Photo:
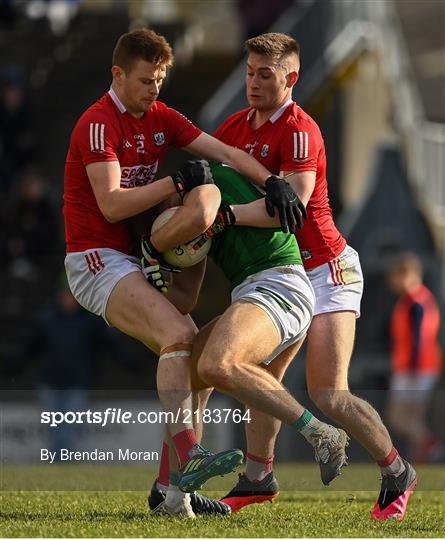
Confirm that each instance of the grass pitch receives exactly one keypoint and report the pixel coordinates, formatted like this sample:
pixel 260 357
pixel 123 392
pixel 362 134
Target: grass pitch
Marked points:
pixel 297 512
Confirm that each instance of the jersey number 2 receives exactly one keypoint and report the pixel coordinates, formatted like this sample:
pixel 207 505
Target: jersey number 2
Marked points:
pixel 140 147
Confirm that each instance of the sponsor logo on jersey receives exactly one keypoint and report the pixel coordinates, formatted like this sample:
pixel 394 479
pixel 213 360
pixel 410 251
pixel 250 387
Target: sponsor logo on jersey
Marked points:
pixel 138 175
pixel 94 262
pixel 159 138
pixel 301 146
pixel 250 147
pixel 97 137
pixel 265 150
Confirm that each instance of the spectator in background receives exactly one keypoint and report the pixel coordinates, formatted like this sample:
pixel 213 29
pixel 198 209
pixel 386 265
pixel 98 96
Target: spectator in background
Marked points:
pixel 17 139
pixel 32 239
pixel 68 343
pixel 415 357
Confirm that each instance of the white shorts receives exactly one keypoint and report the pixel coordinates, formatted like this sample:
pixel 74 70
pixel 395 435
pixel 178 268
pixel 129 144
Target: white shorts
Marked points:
pixel 413 386
pixel 286 295
pixel 93 274
pixel 338 284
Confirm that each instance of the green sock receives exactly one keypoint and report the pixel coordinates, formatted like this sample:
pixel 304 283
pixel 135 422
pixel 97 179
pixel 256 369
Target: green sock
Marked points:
pixel 303 421
pixel 308 425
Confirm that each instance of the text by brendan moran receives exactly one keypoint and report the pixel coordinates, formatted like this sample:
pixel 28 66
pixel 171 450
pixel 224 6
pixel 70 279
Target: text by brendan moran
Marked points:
pixel 121 454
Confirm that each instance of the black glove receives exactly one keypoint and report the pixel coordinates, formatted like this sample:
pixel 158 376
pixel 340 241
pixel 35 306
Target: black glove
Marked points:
pixel 224 218
pixel 153 275
pixel 192 174
pixel 153 257
pixel 281 196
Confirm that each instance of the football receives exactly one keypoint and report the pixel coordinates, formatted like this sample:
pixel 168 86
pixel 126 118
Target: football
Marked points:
pixel 185 255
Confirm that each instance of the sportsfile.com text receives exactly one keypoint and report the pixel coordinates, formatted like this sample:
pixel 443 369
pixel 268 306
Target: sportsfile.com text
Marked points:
pixel 114 415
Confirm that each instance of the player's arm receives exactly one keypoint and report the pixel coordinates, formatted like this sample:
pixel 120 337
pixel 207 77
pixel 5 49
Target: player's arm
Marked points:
pixel 118 203
pixel 184 289
pixel 211 148
pixel 255 214
pixel 280 197
pixel 303 183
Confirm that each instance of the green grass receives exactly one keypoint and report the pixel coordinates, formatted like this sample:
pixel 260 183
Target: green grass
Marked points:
pixel 299 511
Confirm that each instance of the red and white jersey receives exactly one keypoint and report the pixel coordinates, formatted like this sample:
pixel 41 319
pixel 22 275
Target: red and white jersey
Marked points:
pixel 291 141
pixel 106 132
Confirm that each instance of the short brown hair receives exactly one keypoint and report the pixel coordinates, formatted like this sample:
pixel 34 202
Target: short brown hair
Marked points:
pixel 142 45
pixel 406 262
pixel 275 45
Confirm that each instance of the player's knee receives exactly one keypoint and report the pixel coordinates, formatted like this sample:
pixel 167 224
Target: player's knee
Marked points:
pixel 216 374
pixel 207 370
pixel 179 334
pixel 204 203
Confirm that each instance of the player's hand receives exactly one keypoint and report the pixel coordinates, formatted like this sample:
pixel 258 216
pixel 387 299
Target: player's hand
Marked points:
pixel 192 174
pixel 152 273
pixel 153 257
pixel 224 218
pixel 280 196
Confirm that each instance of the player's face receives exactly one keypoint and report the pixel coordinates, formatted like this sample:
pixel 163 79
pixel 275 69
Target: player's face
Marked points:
pixel 267 84
pixel 140 87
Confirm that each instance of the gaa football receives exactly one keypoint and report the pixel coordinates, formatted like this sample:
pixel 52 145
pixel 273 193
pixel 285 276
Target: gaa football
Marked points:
pixel 187 254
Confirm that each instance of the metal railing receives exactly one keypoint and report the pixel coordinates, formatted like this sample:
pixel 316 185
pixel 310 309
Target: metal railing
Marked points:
pixel 423 141
pixel 351 26
pixel 376 25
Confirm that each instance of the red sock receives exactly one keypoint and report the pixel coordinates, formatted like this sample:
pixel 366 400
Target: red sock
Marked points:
pixel 392 464
pixel 389 458
pixel 164 467
pixel 184 441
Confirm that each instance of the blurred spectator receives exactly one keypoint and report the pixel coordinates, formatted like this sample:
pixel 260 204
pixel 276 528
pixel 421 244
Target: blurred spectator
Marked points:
pixel 415 358
pixel 58 12
pixel 31 237
pixel 17 139
pixel 68 344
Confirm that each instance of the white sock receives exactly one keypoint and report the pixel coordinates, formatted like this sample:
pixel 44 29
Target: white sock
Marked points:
pixel 396 468
pixel 175 495
pixel 258 468
pixel 161 487
pixel 312 427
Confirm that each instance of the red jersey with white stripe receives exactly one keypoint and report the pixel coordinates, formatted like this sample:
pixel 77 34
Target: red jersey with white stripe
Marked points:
pixel 291 141
pixel 106 132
